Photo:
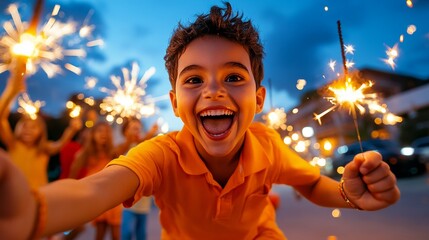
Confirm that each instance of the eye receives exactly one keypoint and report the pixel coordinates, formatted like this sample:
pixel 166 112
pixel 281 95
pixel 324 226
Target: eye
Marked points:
pixel 194 80
pixel 233 78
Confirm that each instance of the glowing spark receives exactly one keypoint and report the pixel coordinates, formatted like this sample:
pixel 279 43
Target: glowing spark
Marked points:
pixel 347 95
pixel 300 84
pixel 41 49
pixel 392 53
pixel 98 42
pixel 164 125
pixel 349 63
pixel 391 62
pixel 90 101
pixel 86 31
pixel 349 49
pixel 411 29
pixel 127 100
pixel 391 119
pixel 90 82
pixel 73 68
pixel 276 119
pixel 332 64
pixel 75 112
pixel 28 107
pixel 410 3
pixel 75 109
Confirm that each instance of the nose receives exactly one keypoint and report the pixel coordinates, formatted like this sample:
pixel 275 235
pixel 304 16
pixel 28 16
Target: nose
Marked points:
pixel 214 89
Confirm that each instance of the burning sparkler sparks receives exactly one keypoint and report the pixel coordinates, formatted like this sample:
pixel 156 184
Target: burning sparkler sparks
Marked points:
pixel 347 93
pixel 128 100
pixel 392 53
pixel 409 3
pixel 28 107
pixel 352 96
pixel 75 109
pixel 41 49
pixel 276 119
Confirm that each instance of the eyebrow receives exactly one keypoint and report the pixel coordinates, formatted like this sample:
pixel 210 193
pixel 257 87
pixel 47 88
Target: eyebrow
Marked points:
pixel 228 64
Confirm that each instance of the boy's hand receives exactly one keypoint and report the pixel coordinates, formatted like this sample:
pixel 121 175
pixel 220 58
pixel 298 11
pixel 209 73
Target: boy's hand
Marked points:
pixel 369 183
pixel 17 205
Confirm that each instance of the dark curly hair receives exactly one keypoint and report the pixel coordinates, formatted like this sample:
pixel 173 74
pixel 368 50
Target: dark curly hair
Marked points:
pixel 223 23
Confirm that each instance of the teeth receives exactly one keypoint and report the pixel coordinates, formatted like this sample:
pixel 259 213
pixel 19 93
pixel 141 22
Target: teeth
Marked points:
pixel 217 112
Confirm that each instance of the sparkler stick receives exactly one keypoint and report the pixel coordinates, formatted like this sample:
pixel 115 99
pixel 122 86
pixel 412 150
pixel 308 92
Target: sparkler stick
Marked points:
pixel 353 110
pixel 346 93
pixel 343 52
pixel 35 18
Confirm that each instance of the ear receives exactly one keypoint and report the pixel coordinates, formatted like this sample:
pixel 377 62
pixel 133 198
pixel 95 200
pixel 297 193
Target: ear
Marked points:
pixel 260 98
pixel 174 102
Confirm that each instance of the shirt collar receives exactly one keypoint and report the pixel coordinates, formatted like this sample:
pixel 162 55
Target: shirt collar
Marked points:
pixel 253 157
pixel 189 159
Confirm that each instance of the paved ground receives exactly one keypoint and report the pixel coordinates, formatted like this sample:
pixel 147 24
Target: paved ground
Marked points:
pixel 301 220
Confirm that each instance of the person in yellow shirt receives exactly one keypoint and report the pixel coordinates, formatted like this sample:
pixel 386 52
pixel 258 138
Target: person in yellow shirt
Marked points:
pixel 28 144
pixel 211 179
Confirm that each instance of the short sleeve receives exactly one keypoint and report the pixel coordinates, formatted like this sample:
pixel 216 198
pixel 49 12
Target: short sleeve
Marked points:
pixel 145 160
pixel 289 167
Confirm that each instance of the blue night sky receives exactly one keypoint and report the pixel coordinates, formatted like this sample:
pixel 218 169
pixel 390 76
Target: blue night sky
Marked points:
pixel 300 38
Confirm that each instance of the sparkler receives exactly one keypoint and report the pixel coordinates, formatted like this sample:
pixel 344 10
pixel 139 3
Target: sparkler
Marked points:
pixel 75 109
pixel 392 53
pixel 276 119
pixel 127 100
pixel 348 94
pixel 28 107
pixel 41 49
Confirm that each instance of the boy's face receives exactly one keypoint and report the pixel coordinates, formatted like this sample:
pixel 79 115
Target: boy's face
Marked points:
pixel 216 95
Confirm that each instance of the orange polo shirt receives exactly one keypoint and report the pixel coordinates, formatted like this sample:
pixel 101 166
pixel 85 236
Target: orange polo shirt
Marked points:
pixel 194 206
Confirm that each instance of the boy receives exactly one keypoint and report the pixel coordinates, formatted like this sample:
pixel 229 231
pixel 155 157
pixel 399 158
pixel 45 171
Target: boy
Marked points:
pixel 211 179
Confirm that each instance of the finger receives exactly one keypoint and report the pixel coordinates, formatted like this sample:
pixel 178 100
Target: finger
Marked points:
pixel 382 171
pixel 352 169
pixel 382 185
pixel 370 160
pixel 390 196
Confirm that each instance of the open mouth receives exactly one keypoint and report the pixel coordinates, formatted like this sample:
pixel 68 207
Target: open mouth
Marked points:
pixel 217 122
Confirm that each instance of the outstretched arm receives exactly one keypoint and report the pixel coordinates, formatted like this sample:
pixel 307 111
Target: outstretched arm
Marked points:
pixel 368 184
pixel 17 207
pixel 74 202
pixel 75 125
pixel 69 202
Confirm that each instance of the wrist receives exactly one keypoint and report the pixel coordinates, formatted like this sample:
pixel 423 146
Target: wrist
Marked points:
pixel 345 197
pixel 40 219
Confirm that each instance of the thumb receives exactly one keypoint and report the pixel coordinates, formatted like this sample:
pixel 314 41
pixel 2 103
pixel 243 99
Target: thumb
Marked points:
pixel 352 168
